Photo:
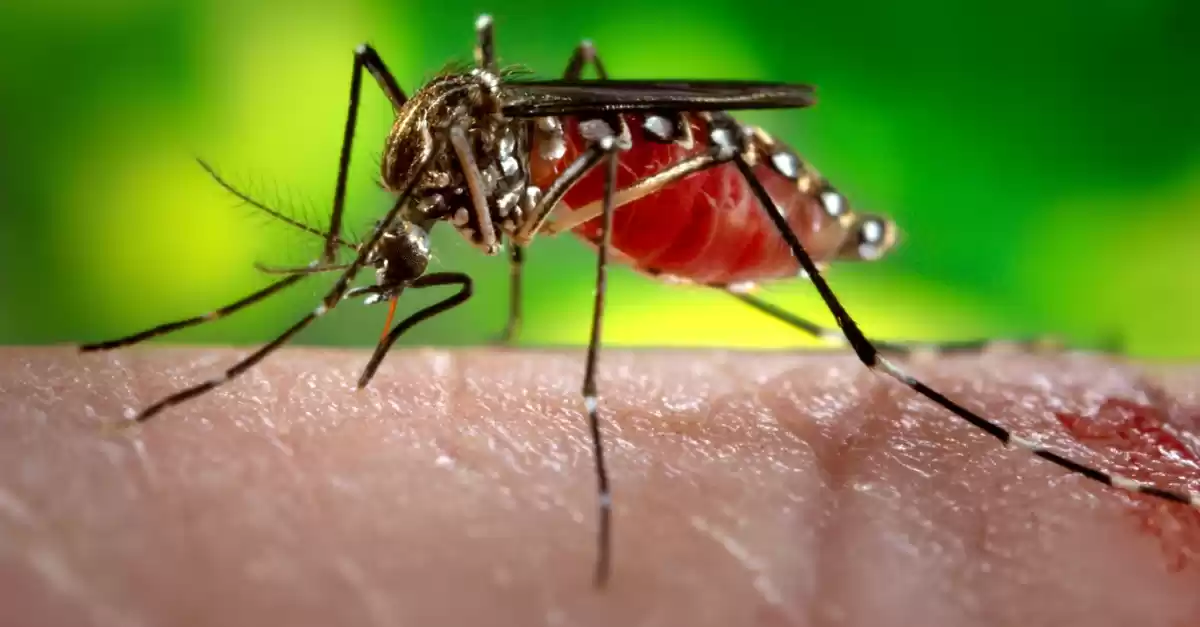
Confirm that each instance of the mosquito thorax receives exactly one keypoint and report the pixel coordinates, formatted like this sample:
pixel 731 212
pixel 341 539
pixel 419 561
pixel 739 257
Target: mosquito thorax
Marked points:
pixel 493 158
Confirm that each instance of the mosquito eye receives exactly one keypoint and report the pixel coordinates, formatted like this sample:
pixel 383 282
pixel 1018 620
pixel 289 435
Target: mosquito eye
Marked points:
pixel 404 149
pixel 404 254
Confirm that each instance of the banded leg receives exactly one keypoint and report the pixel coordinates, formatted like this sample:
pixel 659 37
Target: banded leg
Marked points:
pixel 590 396
pixel 639 189
pixel 485 52
pixel 364 57
pixel 332 298
pixel 868 353
pixel 178 325
pixel 433 280
pixel 902 349
pixel 573 173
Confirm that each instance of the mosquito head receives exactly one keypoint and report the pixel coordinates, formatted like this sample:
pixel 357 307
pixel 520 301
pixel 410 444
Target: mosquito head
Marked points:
pixel 871 236
pixel 477 179
pixel 401 256
pixel 465 99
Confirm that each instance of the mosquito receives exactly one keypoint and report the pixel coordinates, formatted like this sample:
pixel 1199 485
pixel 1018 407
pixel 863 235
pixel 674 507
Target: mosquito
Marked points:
pixel 700 197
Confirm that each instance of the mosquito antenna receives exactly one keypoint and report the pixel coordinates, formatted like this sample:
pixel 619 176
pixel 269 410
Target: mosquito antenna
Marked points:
pixel 274 213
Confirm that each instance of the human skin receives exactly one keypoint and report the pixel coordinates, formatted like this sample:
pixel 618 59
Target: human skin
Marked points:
pixel 458 489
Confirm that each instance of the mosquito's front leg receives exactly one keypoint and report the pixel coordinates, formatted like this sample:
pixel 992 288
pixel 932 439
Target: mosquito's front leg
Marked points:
pixel 365 57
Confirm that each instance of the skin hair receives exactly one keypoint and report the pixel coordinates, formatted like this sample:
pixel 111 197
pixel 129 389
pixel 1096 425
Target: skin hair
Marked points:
pixel 750 489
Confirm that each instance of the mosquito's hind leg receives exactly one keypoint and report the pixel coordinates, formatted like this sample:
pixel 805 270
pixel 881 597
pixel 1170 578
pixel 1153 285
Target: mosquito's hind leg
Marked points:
pixel 869 354
pixel 903 349
pixel 365 58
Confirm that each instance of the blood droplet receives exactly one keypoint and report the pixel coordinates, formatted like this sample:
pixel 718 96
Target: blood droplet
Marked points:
pixel 1143 446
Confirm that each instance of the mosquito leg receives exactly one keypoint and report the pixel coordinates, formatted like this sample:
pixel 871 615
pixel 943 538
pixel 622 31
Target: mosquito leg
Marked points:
pixel 485 58
pixel 433 280
pixel 868 353
pixel 606 146
pixel 640 189
pixel 237 369
pixel 549 200
pixel 311 269
pixel 331 299
pixel 485 47
pixel 170 327
pixel 365 57
pixel 584 55
pixel 903 348
pixel 466 157
pixel 590 397
pixel 516 261
pixel 382 75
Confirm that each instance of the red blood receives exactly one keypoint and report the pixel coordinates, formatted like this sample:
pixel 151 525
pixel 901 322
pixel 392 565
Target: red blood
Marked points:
pixel 707 227
pixel 1147 448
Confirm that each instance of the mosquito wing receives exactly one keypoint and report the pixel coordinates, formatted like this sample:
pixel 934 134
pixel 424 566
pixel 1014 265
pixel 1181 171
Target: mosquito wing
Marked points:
pixel 526 99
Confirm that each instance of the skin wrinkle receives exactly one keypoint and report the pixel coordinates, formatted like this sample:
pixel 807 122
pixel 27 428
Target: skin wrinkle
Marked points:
pixel 752 561
pixel 360 524
pixel 836 466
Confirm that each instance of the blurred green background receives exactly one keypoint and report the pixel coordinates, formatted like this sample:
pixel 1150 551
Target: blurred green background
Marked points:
pixel 1042 159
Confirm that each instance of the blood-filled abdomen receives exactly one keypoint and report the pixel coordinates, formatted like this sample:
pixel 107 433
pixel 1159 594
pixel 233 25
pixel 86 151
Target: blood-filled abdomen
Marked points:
pixel 706 227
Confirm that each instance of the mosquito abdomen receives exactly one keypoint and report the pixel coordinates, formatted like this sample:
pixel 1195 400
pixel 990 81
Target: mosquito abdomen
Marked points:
pixel 706 227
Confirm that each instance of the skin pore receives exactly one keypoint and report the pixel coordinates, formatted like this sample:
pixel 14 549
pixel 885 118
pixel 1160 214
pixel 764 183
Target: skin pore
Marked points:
pixel 458 489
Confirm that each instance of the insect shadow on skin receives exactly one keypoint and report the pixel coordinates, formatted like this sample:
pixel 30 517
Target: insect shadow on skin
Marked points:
pixel 504 159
